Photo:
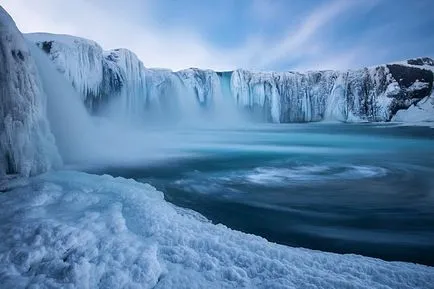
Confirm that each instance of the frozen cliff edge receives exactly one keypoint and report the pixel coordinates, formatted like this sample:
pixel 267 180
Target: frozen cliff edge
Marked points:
pixel 27 146
pixel 368 94
pixel 105 232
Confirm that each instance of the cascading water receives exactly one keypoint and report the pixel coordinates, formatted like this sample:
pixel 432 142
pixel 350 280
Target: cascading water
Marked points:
pixel 69 120
pixel 195 96
pixel 83 139
pixel 133 127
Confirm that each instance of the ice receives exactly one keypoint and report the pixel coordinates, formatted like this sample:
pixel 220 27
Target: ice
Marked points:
pixel 27 146
pixel 420 113
pixel 74 230
pixel 118 76
pixel 393 89
pixel 79 59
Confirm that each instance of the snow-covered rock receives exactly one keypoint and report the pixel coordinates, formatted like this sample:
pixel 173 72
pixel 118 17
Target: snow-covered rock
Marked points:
pixel 421 112
pixel 368 94
pixel 105 232
pixel 27 146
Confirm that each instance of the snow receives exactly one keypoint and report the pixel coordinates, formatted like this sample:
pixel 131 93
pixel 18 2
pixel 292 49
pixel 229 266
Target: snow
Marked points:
pixel 26 145
pixel 420 62
pixel 78 58
pixel 125 64
pixel 74 230
pixel 393 89
pixel 418 85
pixel 422 112
pixel 119 77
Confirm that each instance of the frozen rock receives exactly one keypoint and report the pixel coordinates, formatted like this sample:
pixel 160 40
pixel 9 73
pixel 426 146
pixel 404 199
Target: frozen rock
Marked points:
pixel 27 146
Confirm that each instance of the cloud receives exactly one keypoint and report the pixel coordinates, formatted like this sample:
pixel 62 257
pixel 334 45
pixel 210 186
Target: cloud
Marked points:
pixel 115 24
pixel 304 40
pixel 174 48
pixel 265 10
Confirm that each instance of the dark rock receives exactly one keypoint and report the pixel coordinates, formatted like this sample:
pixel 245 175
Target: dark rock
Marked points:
pixel 406 76
pixel 46 46
pixel 421 61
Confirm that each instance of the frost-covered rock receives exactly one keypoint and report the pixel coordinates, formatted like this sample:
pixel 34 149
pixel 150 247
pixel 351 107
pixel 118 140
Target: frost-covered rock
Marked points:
pixel 105 232
pixel 421 112
pixel 27 146
pixel 368 94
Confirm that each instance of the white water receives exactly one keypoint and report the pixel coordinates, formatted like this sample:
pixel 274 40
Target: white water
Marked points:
pixel 81 138
pixel 118 138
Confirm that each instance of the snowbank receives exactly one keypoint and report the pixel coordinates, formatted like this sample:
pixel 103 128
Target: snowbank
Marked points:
pixel 74 230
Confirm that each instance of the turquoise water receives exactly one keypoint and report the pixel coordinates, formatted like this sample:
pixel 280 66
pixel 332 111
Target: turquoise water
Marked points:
pixel 365 189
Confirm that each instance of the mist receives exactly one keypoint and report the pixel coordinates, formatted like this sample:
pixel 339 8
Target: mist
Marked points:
pixel 124 136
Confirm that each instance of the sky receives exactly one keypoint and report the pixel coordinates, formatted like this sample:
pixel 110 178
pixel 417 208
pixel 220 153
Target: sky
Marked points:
pixel 261 35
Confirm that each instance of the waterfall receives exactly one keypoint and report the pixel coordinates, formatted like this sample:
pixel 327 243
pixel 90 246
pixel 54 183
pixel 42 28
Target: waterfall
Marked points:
pixel 120 84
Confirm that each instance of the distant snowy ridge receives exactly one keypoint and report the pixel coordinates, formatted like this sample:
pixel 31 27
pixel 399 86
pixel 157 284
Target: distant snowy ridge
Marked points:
pixel 27 146
pixel 368 94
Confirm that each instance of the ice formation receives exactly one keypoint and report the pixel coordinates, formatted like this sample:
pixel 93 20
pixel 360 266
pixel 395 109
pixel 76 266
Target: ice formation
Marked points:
pixel 421 112
pixel 74 230
pixel 368 94
pixel 27 146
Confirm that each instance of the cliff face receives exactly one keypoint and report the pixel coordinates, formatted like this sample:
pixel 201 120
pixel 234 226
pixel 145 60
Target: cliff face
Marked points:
pixel 27 146
pixel 368 94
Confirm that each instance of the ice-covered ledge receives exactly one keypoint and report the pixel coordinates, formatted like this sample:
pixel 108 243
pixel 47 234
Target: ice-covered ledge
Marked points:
pixel 85 231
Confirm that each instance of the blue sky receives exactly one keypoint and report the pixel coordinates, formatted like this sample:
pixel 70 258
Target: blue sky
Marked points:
pixel 255 34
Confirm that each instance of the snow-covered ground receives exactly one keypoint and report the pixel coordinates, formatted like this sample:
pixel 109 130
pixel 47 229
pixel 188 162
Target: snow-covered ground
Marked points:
pixel 74 230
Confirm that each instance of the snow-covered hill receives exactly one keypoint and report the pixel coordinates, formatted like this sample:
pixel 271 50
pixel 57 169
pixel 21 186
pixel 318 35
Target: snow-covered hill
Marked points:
pixel 368 94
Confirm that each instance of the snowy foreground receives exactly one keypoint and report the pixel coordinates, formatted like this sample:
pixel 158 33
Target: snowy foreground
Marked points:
pixel 75 230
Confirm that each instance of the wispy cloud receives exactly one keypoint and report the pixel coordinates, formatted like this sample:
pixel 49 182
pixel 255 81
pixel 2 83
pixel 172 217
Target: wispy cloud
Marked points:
pixel 300 43
pixel 174 48
pixel 266 10
pixel 298 40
